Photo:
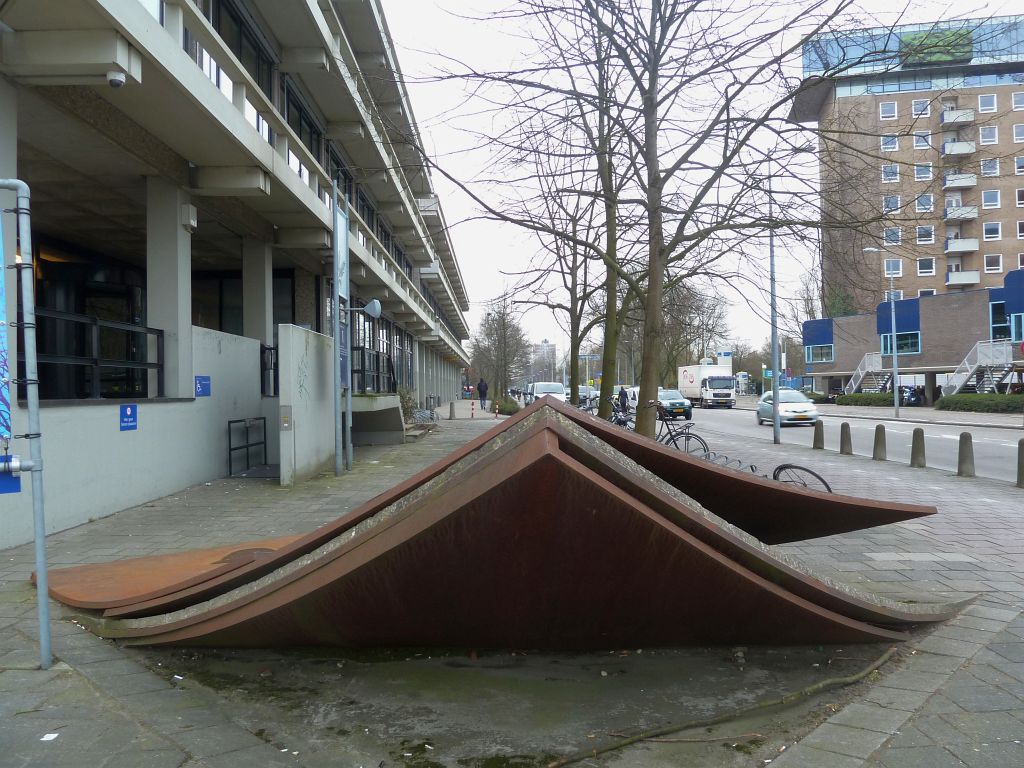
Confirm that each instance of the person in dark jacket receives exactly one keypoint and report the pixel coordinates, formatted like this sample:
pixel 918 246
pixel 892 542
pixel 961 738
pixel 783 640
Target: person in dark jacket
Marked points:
pixel 481 388
pixel 623 400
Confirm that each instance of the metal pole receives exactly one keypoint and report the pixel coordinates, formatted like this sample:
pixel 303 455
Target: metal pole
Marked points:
pixel 895 355
pixel 35 442
pixel 776 425
pixel 339 437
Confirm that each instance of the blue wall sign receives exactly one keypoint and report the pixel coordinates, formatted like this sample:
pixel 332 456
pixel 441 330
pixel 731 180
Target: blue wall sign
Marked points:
pixel 129 417
pixel 8 483
pixel 204 387
pixel 5 369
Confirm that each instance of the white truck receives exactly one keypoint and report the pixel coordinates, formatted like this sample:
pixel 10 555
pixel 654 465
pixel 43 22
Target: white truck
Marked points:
pixel 708 385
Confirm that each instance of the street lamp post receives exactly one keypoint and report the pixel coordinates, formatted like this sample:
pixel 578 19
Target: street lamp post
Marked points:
pixel 776 423
pixel 891 274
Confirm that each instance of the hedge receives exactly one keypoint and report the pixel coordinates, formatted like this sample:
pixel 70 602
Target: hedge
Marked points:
pixel 817 397
pixel 507 406
pixel 990 403
pixel 866 398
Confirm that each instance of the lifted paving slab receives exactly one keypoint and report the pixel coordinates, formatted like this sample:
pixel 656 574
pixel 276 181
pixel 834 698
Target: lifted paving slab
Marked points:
pixel 955 698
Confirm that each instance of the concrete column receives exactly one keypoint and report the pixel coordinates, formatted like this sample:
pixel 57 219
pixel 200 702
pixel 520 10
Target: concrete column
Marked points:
pixel 929 389
pixel 169 282
pixel 257 290
pixel 418 392
pixel 9 170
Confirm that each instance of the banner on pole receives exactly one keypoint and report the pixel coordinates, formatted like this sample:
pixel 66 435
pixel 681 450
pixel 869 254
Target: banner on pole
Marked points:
pixel 340 249
pixel 5 367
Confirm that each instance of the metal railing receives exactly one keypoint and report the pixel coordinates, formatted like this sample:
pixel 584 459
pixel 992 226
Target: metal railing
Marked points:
pixel 984 353
pixel 94 358
pixel 872 361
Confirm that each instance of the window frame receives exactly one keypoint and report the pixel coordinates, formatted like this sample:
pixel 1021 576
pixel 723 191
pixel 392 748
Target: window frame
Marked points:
pixel 995 103
pixel 919 176
pixel 930 208
pixel 887 270
pixel 889 142
pixel 992 270
pixel 1020 197
pixel 929 238
pixel 901 336
pixel 1017 101
pixel 895 176
pixel 1018 133
pixel 881 113
pixel 926 112
pixel 887 231
pixel 924 272
pixel 1020 230
pixel 809 353
pixel 992 160
pixel 886 208
pixel 999 231
pixel 922 140
pixel 991 129
pixel 1018 165
pixel 921 292
pixel 988 205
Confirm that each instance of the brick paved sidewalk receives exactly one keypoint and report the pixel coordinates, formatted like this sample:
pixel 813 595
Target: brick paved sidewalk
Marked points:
pixel 958 700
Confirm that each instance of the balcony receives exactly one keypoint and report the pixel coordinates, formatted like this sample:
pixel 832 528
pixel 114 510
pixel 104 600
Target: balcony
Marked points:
pixel 961 245
pixel 960 213
pixel 954 117
pixel 958 148
pixel 959 279
pixel 959 180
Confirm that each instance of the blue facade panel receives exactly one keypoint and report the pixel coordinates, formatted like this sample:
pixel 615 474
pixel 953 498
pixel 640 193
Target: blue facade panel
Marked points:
pixel 1013 292
pixel 817 332
pixel 908 316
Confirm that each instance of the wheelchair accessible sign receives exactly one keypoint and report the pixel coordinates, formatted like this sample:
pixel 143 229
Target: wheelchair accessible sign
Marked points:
pixel 129 417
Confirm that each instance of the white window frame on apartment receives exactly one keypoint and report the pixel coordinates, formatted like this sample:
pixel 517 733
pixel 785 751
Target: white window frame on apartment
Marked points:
pixel 819 353
pixel 916 109
pixel 1020 261
pixel 1020 230
pixel 987 227
pixel 992 163
pixel 889 142
pixel 920 206
pixel 1018 133
pixel 882 108
pixel 988 134
pixel 982 102
pixel 1018 165
pixel 892 267
pixel 996 264
pixel 922 171
pixel 926 271
pixel 890 203
pixel 925 234
pixel 896 293
pixel 894 176
pixel 990 198
pixel 1020 198
pixel 922 140
pixel 926 292
pixel 904 336
pixel 892 236
pixel 1017 100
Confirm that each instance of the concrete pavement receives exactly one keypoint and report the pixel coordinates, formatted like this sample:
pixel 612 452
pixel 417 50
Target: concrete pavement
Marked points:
pixel 956 698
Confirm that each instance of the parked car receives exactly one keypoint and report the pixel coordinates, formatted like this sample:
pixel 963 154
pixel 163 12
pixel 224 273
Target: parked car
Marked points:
pixel 671 400
pixel 794 408
pixel 553 389
pixel 588 393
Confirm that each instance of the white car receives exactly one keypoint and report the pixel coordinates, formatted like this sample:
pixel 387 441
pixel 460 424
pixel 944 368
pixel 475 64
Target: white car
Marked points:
pixel 794 408
pixel 553 389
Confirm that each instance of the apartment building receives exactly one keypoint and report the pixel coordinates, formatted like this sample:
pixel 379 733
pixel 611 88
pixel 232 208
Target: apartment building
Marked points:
pixel 922 157
pixel 181 156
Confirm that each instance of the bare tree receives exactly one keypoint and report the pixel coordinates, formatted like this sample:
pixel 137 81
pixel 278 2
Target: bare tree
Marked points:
pixel 500 352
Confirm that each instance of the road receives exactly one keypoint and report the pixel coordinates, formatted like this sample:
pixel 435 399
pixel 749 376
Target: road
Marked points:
pixel 995 450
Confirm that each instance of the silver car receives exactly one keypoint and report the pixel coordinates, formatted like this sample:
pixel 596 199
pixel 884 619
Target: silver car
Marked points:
pixel 794 408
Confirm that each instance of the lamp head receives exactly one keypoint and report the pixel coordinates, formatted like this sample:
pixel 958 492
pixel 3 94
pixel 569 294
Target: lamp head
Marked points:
pixel 372 308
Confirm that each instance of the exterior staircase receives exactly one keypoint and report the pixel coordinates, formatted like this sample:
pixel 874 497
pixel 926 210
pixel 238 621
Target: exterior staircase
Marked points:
pixel 985 366
pixel 869 376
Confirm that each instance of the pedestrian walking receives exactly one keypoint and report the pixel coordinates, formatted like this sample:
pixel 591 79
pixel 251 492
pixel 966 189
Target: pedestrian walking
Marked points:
pixel 481 388
pixel 623 400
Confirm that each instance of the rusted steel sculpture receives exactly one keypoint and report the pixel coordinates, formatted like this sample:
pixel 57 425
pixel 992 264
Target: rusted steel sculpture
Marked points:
pixel 549 531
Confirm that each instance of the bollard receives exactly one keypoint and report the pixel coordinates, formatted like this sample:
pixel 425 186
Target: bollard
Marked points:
pixel 819 435
pixel 451 411
pixel 845 440
pixel 878 452
pixel 1020 463
pixel 472 409
pixel 965 456
pixel 495 409
pixel 917 458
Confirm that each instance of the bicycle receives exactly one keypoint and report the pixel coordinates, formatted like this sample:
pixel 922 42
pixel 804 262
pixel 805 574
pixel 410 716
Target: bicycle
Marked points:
pixel 620 417
pixel 783 473
pixel 679 436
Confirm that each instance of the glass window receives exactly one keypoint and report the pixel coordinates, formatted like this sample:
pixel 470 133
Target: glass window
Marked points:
pixel 926 292
pixel 1018 166
pixel 890 203
pixel 921 107
pixel 821 353
pixel 990 167
pixel 887 110
pixel 1018 101
pixel 925 203
pixel 992 230
pixel 890 173
pixel 926 267
pixel 906 343
pixel 1017 324
pixel 891 236
pixel 993 262
pixel 922 140
pixel 987 102
pixel 988 134
pixel 1018 133
pixel 1020 230
pixel 893 267
pixel 923 171
pixel 999 324
pixel 1020 261
pixel 990 198
pixel 925 235
pixel 892 296
pixel 1020 198
pixel 890 142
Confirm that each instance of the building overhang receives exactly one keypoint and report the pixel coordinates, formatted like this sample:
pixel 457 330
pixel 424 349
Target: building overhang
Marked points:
pixel 809 98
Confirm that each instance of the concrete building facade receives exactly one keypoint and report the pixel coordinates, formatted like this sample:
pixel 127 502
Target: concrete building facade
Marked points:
pixel 181 156
pixel 922 157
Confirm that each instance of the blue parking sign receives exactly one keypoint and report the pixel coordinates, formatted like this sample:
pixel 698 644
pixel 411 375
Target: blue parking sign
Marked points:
pixel 129 417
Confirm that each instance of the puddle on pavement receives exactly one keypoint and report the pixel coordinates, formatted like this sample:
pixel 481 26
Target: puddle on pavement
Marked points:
pixel 422 709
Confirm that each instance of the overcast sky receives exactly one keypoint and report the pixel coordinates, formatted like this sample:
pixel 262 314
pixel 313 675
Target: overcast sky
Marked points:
pixel 427 31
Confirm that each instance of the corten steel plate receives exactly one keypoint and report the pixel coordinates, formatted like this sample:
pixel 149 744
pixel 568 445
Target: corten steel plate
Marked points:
pixel 773 512
pixel 544 537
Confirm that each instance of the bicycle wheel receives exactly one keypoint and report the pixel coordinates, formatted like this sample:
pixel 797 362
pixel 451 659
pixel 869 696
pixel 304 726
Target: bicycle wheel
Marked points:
pixel 694 445
pixel 794 473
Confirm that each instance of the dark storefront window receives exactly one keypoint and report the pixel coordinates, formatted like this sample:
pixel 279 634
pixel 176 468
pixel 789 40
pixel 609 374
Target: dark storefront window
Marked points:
pixel 301 120
pixel 373 369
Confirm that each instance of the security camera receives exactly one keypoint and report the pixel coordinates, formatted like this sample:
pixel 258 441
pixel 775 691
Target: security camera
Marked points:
pixel 116 78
